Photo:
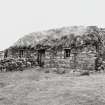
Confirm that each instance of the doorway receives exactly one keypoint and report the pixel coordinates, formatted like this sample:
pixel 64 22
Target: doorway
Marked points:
pixel 41 57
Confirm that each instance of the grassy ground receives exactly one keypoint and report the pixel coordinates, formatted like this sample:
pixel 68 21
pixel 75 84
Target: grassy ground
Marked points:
pixel 32 87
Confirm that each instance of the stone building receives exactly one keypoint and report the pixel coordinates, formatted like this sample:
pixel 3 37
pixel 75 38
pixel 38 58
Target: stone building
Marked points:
pixel 61 58
pixel 57 49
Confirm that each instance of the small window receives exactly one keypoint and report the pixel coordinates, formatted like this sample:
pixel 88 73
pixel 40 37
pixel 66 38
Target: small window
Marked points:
pixel 67 53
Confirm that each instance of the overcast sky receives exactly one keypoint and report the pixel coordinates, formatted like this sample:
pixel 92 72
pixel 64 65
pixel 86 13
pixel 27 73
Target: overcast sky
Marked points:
pixel 20 17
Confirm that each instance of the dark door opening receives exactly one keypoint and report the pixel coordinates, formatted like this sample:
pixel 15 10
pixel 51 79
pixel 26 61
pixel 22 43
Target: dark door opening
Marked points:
pixel 41 57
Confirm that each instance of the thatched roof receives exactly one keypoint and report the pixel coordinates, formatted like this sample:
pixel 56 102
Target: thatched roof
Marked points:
pixel 52 38
pixel 36 37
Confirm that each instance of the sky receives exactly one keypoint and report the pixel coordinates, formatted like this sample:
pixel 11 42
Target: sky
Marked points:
pixel 21 17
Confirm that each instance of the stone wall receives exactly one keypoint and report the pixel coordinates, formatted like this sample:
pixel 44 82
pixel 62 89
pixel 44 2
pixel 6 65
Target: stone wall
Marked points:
pixel 83 61
pixel 16 53
pixel 86 61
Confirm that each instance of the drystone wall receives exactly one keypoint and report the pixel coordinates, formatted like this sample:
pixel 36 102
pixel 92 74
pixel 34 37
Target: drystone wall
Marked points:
pixel 16 53
pixel 84 61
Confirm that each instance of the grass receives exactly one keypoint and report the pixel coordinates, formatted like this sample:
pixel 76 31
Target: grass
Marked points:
pixel 32 87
